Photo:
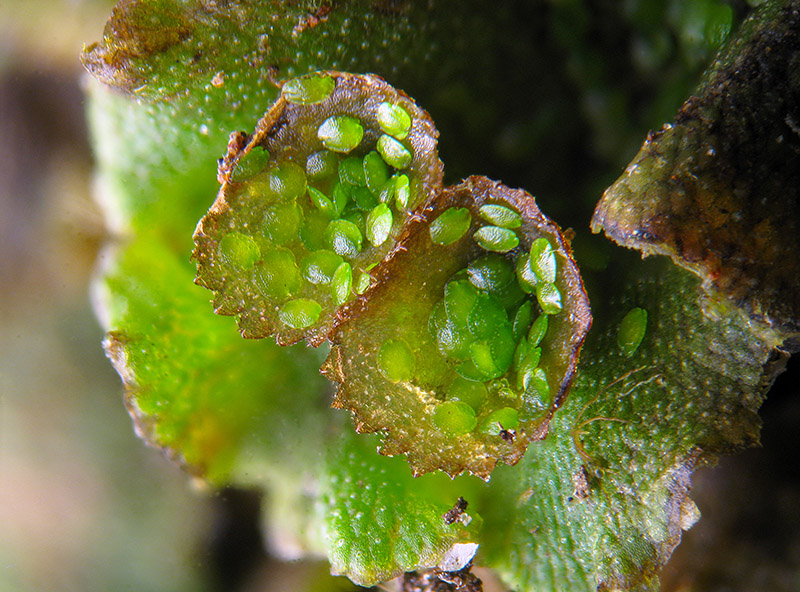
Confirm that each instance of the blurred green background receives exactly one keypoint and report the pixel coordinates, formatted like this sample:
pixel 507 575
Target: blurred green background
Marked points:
pixel 85 505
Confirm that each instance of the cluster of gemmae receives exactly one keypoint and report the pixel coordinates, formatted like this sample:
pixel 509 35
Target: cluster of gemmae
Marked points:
pixel 491 322
pixel 324 212
pixel 336 171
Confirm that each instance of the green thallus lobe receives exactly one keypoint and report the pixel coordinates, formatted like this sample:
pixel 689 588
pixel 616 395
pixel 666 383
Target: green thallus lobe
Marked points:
pixel 345 184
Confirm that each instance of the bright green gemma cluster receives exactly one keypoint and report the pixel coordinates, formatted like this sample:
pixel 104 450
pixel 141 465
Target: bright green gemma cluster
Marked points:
pixel 461 359
pixel 318 214
pixel 492 321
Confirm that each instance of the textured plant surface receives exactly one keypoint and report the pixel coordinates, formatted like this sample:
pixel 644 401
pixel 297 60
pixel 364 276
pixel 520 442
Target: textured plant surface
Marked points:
pixel 332 222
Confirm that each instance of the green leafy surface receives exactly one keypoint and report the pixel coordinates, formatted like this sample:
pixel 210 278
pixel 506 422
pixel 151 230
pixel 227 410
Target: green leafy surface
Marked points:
pixel 189 377
pixel 379 520
pixel 602 500
pixel 254 413
pixel 599 503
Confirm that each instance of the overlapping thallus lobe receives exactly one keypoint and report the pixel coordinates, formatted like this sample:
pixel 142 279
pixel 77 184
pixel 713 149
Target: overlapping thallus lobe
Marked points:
pixel 456 314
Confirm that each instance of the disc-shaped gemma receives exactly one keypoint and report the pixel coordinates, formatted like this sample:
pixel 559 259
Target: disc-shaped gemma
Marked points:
pixel 394 120
pixel 379 224
pixel 501 216
pixel 308 90
pixel 341 133
pixel 393 152
pixel 494 238
pixel 396 360
pixel 299 313
pixel 450 226
pixel 454 418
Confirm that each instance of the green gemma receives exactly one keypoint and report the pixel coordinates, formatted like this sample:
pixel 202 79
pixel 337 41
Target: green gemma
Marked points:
pixel 537 389
pixel 398 190
pixel 501 216
pixel 549 298
pixel 282 222
pixel 319 267
pixel 497 239
pixel 351 171
pixel 342 283
pixel 284 181
pixel 470 392
pixel 343 238
pixel 450 226
pixel 322 202
pixel 632 330
pixel 393 152
pixel 543 260
pixel 396 361
pixel 376 173
pixel 522 319
pixel 308 90
pixel 526 279
pixel 394 120
pixel 528 368
pixel 341 133
pixel 538 330
pixel 454 418
pixel 491 273
pixel 251 163
pixel 277 275
pixel 379 224
pixel 505 418
pixel 363 282
pixel 321 165
pixel 299 313
pixel 239 250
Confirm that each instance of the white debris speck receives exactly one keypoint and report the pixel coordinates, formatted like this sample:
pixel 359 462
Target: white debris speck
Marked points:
pixel 458 556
